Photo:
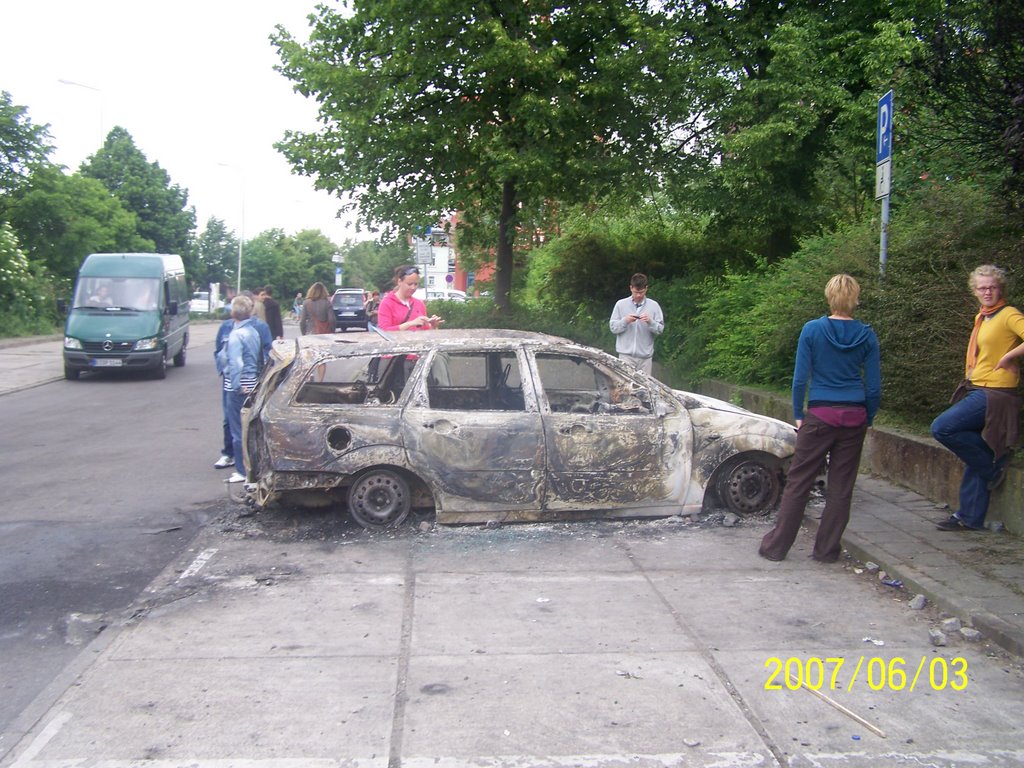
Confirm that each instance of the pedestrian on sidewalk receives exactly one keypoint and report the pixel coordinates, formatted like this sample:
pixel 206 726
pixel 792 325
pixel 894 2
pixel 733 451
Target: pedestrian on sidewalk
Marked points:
pixel 980 426
pixel 240 362
pixel 839 357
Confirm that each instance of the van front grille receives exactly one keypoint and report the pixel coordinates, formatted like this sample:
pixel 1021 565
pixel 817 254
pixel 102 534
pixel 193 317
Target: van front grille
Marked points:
pixel 98 347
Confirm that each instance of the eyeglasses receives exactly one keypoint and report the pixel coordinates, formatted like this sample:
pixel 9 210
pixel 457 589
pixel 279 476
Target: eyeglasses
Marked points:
pixel 987 288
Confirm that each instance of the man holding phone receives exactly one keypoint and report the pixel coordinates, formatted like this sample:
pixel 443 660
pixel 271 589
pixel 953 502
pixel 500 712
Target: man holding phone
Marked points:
pixel 635 321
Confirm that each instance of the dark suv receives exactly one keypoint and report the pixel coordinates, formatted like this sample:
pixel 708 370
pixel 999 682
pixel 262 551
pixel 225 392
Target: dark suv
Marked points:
pixel 348 309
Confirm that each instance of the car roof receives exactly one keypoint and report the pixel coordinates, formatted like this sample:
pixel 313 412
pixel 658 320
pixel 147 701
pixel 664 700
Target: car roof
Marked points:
pixel 492 338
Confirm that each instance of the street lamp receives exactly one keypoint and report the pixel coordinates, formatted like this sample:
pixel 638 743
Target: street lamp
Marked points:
pixel 241 229
pixel 99 98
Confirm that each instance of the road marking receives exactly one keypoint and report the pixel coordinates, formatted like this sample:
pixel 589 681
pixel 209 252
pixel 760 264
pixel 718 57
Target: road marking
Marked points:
pixel 39 742
pixel 201 559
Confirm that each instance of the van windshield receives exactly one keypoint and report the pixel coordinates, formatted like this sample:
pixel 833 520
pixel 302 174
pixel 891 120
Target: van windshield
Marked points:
pixel 140 293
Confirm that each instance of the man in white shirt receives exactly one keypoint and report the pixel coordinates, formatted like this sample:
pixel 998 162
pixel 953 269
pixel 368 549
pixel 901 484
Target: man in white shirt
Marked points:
pixel 635 321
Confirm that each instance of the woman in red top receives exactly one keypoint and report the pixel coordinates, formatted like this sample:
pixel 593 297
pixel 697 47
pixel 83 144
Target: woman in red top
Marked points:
pixel 400 310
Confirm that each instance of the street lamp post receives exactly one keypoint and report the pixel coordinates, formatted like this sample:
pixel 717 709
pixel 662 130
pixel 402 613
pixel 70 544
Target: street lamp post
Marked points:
pixel 99 97
pixel 241 229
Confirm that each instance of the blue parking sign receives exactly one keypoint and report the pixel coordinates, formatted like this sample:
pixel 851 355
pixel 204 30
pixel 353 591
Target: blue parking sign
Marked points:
pixel 883 149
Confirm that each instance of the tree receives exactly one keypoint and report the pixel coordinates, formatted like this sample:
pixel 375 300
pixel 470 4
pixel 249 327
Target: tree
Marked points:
pixel 61 219
pixel 216 255
pixel 371 264
pixel 432 106
pixel 24 148
pixel 145 188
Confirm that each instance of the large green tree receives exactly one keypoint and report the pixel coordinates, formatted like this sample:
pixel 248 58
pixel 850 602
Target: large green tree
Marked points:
pixel 434 106
pixel 60 219
pixel 24 148
pixel 145 189
pixel 216 255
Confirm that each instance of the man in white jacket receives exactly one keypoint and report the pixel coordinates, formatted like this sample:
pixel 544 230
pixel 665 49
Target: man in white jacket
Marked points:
pixel 635 321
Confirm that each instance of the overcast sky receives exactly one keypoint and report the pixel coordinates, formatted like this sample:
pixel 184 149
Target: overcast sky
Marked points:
pixel 192 81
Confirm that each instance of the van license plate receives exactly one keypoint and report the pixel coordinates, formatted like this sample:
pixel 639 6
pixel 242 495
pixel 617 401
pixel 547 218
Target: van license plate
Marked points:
pixel 107 362
pixel 348 314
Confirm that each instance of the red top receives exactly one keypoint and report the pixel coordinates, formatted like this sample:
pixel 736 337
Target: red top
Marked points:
pixel 393 313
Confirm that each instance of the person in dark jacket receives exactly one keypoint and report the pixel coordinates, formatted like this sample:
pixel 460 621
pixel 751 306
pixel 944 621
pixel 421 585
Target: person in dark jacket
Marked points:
pixel 839 357
pixel 272 310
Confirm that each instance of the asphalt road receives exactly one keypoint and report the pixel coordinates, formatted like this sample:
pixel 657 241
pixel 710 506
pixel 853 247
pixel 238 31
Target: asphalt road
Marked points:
pixel 105 481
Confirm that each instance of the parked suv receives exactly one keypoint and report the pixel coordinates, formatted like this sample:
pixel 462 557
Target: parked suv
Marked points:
pixel 349 311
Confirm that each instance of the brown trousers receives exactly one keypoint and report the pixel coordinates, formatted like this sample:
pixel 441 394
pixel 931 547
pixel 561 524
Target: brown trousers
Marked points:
pixel 814 441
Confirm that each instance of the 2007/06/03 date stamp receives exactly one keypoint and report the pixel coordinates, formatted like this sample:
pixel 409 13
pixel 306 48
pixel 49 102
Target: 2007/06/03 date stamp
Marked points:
pixel 895 674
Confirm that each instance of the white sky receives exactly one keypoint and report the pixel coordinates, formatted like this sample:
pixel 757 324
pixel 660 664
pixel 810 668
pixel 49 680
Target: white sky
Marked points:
pixel 192 81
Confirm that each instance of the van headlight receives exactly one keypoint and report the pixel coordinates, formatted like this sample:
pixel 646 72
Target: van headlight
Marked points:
pixel 144 345
pixel 71 343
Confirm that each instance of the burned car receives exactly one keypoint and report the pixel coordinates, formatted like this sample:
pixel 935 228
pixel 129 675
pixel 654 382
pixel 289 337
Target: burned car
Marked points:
pixel 496 425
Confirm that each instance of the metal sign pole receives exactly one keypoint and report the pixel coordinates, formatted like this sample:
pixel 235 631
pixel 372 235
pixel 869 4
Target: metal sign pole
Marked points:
pixel 883 174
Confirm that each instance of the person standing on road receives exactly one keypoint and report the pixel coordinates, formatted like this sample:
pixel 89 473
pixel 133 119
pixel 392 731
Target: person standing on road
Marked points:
pixel 272 310
pixel 297 306
pixel 635 321
pixel 317 315
pixel 840 358
pixel 400 310
pixel 372 307
pixel 240 360
pixel 980 426
pixel 227 452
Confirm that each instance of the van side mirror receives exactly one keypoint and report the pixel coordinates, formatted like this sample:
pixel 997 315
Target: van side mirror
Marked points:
pixel 62 306
pixel 172 308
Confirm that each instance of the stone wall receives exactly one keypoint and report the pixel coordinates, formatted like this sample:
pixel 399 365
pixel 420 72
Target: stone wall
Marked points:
pixel 917 463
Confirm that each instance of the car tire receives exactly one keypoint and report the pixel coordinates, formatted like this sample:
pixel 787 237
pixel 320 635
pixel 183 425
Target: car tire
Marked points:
pixel 179 359
pixel 749 484
pixel 379 498
pixel 71 374
pixel 160 372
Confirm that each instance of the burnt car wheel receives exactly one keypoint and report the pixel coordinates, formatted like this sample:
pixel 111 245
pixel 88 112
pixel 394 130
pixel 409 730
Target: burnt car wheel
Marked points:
pixel 749 484
pixel 379 498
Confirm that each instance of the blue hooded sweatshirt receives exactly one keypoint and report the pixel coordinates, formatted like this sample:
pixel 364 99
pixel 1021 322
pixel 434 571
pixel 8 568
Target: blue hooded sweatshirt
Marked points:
pixel 841 360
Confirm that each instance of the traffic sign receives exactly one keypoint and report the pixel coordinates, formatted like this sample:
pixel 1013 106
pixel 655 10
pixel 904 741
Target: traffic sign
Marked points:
pixel 883 147
pixel 883 179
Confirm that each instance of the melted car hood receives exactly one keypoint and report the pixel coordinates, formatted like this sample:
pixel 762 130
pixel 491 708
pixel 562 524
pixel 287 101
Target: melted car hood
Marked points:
pixel 721 405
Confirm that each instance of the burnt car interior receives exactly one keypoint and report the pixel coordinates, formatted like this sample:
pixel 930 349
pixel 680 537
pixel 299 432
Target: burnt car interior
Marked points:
pixel 576 385
pixel 356 380
pixel 475 381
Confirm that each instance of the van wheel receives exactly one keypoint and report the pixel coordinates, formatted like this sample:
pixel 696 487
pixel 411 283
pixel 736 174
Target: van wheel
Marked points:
pixel 379 499
pixel 179 359
pixel 160 372
pixel 71 374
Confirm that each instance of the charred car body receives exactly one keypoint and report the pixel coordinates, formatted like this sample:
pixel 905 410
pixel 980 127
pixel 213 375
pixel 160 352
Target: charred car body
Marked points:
pixel 500 425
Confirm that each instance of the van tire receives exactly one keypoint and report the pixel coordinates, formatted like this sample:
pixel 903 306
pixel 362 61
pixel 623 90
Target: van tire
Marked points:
pixel 160 372
pixel 71 374
pixel 179 359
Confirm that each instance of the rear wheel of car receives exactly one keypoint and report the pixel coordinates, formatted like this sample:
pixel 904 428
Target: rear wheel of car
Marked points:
pixel 379 498
pixel 749 484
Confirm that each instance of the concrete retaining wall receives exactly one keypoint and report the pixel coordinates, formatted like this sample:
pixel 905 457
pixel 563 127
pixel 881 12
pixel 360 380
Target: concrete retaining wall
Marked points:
pixel 917 463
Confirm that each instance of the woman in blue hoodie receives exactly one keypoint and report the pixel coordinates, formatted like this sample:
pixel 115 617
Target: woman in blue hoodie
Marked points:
pixel 839 357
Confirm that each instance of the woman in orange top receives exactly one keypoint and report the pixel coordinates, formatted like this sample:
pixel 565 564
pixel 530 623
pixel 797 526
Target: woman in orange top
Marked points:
pixel 981 425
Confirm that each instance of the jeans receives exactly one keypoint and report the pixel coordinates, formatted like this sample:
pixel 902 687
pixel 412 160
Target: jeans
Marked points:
pixel 233 410
pixel 959 429
pixel 228 449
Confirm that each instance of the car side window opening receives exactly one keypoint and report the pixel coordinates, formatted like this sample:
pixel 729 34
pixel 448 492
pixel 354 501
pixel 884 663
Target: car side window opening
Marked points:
pixel 355 380
pixel 578 385
pixel 475 381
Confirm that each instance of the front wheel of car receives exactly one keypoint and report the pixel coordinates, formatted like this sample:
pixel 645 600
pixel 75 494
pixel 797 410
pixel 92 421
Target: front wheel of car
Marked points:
pixel 379 498
pixel 749 484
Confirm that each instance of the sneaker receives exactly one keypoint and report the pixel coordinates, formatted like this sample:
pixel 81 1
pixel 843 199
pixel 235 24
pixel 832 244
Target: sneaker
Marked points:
pixel 954 523
pixel 224 462
pixel 236 477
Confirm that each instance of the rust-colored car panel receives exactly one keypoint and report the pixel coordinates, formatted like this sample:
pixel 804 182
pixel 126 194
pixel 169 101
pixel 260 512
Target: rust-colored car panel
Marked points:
pixel 488 425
